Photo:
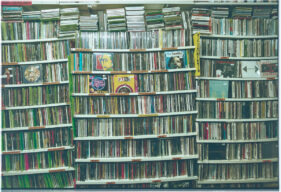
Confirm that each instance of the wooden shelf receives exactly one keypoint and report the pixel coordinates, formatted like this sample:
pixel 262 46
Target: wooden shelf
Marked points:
pixel 134 115
pixel 237 141
pixel 130 50
pixel 238 99
pixel 37 171
pixel 91 138
pixel 251 180
pixel 35 40
pixel 133 72
pixel 34 62
pixel 236 120
pixel 135 94
pixel 239 58
pixel 240 36
pixel 143 2
pixel 36 127
pixel 237 79
pixel 136 181
pixel 35 106
pixel 34 85
pixel 37 150
pixel 238 161
pixel 136 159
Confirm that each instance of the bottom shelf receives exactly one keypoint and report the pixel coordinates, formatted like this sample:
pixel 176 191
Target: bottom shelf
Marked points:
pixel 136 181
pixel 69 187
pixel 54 180
pixel 252 180
pixel 37 171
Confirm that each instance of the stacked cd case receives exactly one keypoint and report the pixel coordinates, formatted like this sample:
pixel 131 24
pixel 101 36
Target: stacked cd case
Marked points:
pixel 116 19
pixel 172 18
pixel 50 14
pixel 89 23
pixel 11 13
pixel 242 12
pixel 135 18
pixel 201 20
pixel 220 12
pixel 31 15
pixel 154 20
pixel 69 22
pixel 261 12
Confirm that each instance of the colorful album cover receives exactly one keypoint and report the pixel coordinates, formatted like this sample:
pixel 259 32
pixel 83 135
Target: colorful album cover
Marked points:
pixel 125 83
pixel 218 89
pixel 226 69
pixel 269 68
pixel 103 61
pixel 98 84
pixel 7 75
pixel 31 73
pixel 250 69
pixel 175 59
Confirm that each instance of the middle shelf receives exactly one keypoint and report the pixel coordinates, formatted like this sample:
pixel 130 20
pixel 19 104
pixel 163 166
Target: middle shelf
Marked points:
pixel 137 159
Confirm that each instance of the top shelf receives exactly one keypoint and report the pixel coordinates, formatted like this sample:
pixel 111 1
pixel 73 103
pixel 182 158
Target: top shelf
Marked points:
pixel 241 36
pixel 183 2
pixel 130 50
pixel 35 40
pixel 235 4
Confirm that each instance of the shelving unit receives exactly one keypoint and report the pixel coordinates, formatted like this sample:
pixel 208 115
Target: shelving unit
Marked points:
pixel 233 136
pixel 84 141
pixel 37 140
